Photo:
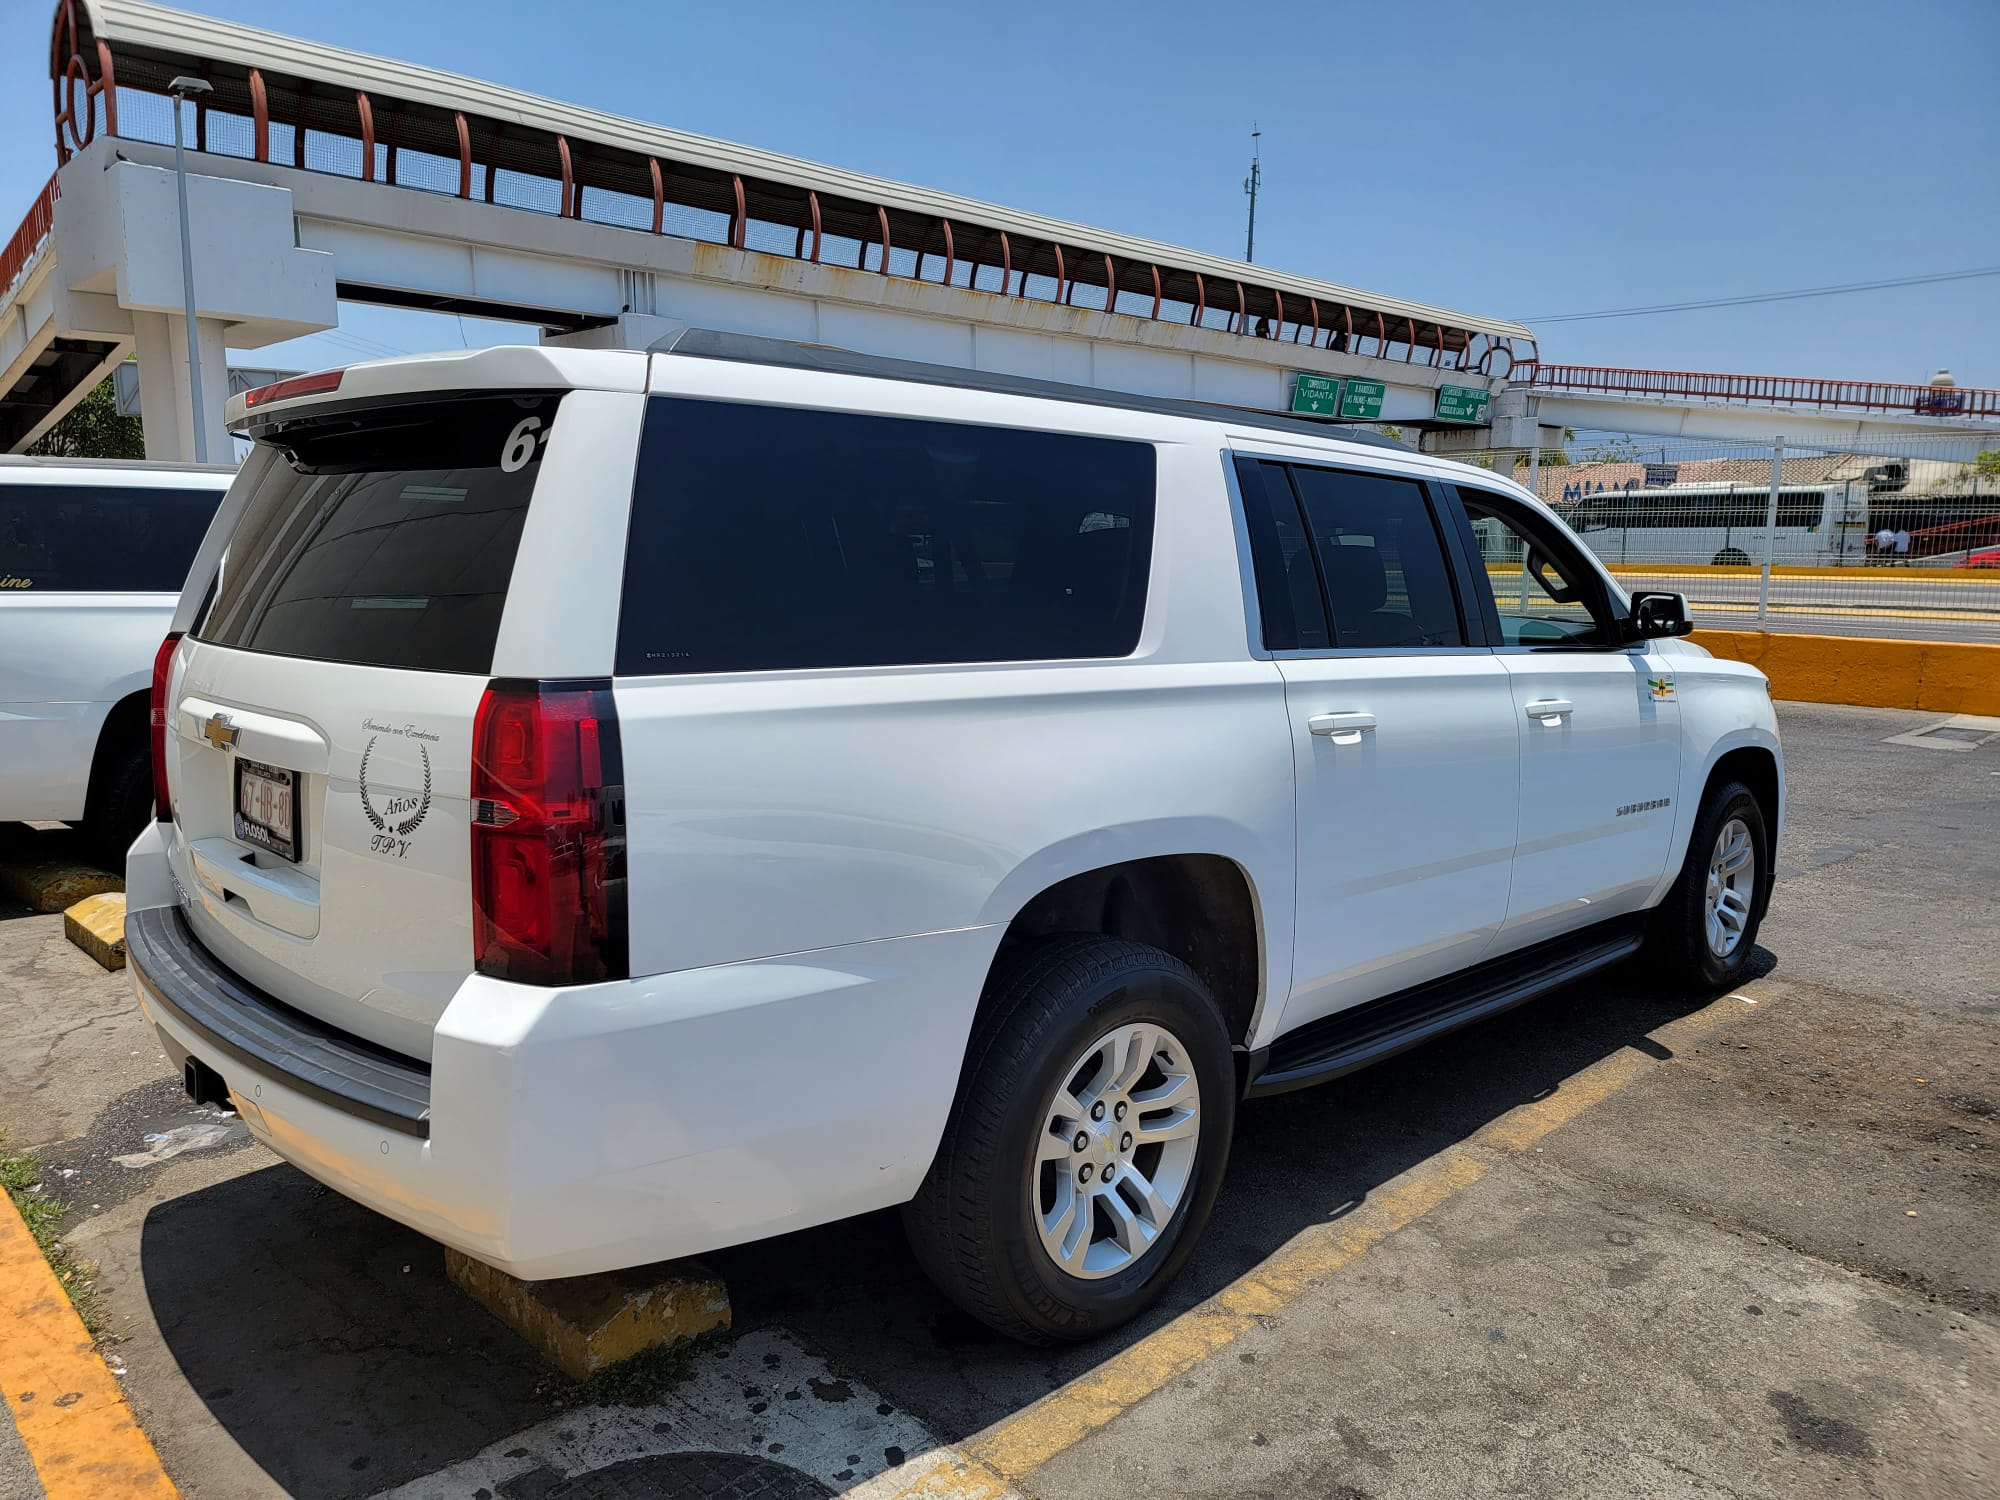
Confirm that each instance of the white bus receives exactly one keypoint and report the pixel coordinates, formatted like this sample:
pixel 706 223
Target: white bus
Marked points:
pixel 1723 524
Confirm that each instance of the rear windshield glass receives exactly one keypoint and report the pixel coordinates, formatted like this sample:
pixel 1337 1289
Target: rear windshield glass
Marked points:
pixel 57 538
pixel 385 537
pixel 773 537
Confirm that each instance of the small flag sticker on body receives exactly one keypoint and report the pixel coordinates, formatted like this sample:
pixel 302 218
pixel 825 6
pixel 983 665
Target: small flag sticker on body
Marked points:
pixel 1662 687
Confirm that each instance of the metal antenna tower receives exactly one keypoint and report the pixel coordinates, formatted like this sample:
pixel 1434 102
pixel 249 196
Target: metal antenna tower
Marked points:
pixel 1250 186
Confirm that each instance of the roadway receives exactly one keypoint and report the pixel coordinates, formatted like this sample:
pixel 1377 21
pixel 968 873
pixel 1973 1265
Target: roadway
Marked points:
pixel 1618 1243
pixel 1880 602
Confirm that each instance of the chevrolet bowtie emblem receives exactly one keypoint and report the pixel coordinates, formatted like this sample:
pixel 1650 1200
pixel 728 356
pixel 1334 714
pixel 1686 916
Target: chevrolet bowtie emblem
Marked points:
pixel 219 732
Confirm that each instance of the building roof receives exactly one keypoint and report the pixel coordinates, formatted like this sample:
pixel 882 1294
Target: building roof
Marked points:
pixel 1552 481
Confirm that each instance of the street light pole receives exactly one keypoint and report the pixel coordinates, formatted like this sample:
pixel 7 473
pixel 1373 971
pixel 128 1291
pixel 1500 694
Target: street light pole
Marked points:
pixel 181 88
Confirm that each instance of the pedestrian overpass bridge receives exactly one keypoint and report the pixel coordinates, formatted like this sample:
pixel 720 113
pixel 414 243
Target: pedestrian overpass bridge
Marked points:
pixel 319 175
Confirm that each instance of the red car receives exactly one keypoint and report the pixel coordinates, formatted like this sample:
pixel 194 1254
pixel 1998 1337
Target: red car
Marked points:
pixel 1985 557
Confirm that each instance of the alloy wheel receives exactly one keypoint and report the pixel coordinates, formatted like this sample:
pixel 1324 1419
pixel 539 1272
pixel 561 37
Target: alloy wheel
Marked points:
pixel 1116 1155
pixel 1732 884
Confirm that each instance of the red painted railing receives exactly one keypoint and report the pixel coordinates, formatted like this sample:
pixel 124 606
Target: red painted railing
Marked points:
pixel 41 218
pixel 1785 390
pixel 511 163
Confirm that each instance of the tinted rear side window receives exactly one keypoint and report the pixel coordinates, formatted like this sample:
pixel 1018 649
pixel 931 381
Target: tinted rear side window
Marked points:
pixel 767 538
pixel 1288 595
pixel 385 536
pixel 1383 561
pixel 57 538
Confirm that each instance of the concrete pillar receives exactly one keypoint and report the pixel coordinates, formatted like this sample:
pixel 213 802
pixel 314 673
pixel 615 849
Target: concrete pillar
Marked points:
pixel 165 411
pixel 153 346
pixel 214 387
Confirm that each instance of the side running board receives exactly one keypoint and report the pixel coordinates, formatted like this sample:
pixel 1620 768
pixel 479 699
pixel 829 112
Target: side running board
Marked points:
pixel 1351 1039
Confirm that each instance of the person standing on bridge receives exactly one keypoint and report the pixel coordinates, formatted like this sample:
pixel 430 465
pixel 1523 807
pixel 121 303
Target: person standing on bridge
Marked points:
pixel 1903 545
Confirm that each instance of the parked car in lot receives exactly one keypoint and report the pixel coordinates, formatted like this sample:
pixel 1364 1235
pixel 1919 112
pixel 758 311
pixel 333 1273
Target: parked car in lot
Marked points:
pixel 93 554
pixel 621 804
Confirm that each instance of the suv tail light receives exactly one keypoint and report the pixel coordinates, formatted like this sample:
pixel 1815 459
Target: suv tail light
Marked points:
pixel 163 667
pixel 548 834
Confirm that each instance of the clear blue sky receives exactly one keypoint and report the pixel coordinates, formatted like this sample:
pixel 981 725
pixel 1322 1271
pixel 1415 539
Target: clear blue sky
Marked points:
pixel 1509 159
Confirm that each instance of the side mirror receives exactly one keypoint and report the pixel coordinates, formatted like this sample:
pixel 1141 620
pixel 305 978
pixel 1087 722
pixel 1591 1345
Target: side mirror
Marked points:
pixel 1655 615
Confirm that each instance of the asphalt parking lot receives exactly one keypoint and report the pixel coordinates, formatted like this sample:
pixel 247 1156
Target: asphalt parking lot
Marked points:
pixel 1611 1244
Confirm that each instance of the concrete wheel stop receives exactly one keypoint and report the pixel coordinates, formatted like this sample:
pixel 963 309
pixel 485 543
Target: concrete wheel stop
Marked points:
pixel 584 1324
pixel 96 924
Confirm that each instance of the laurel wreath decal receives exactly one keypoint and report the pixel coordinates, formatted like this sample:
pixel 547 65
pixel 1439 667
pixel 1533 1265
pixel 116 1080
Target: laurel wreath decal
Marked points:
pixel 408 825
pixel 368 807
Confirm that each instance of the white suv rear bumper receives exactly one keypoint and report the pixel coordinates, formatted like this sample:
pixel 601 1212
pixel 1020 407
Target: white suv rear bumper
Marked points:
pixel 576 1130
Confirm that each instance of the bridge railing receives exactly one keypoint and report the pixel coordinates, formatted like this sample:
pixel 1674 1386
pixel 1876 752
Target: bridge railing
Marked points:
pixel 1782 390
pixel 551 160
pixel 35 227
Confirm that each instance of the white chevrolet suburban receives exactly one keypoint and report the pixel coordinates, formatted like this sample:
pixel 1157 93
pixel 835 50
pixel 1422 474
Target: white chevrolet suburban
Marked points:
pixel 624 804
pixel 92 557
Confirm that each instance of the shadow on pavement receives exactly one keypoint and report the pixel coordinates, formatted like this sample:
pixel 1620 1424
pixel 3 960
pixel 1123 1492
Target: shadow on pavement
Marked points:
pixel 29 851
pixel 328 1343
pixel 325 1339
pixel 1299 1159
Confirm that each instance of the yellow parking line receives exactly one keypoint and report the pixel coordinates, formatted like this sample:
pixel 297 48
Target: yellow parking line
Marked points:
pixel 990 1464
pixel 72 1417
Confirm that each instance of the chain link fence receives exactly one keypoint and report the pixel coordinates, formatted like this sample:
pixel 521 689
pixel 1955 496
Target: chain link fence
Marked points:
pixel 1899 538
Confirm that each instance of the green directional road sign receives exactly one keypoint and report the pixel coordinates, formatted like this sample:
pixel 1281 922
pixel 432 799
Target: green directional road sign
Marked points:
pixel 1462 403
pixel 1363 399
pixel 1315 395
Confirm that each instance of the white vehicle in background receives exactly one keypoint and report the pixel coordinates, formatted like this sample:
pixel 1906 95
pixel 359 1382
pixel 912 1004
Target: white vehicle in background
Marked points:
pixel 624 805
pixel 93 554
pixel 1723 525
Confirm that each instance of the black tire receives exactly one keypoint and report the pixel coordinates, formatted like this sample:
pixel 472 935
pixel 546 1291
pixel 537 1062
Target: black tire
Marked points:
pixel 1678 944
pixel 121 801
pixel 972 1223
pixel 1730 557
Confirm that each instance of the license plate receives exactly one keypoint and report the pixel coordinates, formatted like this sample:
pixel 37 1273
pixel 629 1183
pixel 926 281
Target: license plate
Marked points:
pixel 267 808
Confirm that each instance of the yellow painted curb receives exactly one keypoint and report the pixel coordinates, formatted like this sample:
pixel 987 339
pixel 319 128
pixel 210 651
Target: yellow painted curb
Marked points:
pixel 1953 677
pixel 96 924
pixel 80 1435
pixel 582 1324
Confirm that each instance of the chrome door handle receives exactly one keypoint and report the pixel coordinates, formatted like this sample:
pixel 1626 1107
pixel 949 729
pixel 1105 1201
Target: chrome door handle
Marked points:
pixel 1550 710
pixel 1342 728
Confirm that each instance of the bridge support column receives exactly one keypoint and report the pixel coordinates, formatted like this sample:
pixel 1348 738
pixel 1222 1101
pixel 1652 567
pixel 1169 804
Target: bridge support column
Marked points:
pixel 1523 437
pixel 160 343
pixel 117 238
pixel 1513 423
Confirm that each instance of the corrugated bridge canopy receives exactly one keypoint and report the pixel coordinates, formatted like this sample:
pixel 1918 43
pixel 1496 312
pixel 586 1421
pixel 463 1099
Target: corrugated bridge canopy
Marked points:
pixel 322 108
